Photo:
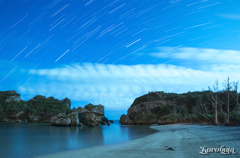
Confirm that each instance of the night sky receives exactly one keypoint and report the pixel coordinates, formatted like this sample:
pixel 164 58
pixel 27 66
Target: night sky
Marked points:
pixel 111 51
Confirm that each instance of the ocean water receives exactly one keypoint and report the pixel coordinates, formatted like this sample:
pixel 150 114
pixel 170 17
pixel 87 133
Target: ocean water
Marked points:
pixel 29 140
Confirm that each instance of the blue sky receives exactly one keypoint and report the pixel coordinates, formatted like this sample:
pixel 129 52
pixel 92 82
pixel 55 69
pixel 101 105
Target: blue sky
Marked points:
pixel 111 51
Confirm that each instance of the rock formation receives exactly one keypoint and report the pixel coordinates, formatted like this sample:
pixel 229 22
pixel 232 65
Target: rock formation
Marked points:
pixel 91 115
pixel 105 121
pixel 144 112
pixel 66 120
pixel 61 120
pixel 74 118
pixel 168 108
pixel 111 121
pixel 40 109
pixel 126 120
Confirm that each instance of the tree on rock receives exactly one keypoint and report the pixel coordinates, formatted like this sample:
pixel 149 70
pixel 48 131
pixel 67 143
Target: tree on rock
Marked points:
pixel 214 99
pixel 228 87
pixel 235 88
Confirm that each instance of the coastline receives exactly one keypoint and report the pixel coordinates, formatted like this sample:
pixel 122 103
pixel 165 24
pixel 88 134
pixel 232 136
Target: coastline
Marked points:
pixel 184 139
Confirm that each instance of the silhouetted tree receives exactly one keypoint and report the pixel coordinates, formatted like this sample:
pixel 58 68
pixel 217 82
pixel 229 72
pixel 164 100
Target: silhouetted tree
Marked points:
pixel 235 86
pixel 228 87
pixel 213 99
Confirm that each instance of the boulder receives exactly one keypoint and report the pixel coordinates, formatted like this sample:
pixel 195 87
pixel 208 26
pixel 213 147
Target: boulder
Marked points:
pixel 74 118
pixel 103 123
pixel 104 119
pixel 61 120
pixel 125 120
pixel 66 120
pixel 91 115
pixel 90 119
pixel 111 121
pixel 108 123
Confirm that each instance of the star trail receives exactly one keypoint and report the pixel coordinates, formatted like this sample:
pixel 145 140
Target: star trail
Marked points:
pixel 111 51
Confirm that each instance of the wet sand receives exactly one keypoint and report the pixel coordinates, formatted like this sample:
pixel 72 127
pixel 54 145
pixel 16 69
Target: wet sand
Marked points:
pixel 184 139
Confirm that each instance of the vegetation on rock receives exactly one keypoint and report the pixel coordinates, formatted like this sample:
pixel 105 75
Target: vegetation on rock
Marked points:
pixel 11 107
pixel 37 106
pixel 89 106
pixel 40 105
pixel 210 106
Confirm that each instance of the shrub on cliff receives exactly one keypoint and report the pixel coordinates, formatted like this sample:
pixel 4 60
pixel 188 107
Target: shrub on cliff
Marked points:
pixel 7 104
pixel 185 107
pixel 89 107
pixel 40 105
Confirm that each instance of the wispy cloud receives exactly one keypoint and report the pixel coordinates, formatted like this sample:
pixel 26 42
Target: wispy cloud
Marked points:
pixel 116 86
pixel 199 54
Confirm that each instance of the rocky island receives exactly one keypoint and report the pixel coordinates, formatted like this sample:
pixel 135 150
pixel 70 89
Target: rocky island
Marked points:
pixel 40 109
pixel 192 107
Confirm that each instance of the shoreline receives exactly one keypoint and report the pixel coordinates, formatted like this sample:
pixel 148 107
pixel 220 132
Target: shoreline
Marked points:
pixel 184 139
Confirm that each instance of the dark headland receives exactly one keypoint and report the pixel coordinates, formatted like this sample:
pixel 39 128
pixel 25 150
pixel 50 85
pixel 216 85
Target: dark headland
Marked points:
pixel 40 109
pixel 193 107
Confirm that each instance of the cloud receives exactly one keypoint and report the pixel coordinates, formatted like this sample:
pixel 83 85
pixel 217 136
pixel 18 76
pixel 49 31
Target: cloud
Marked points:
pixel 230 16
pixel 199 54
pixel 116 86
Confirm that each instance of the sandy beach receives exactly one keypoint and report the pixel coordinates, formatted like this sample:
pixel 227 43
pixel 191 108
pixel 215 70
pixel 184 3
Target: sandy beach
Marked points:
pixel 184 139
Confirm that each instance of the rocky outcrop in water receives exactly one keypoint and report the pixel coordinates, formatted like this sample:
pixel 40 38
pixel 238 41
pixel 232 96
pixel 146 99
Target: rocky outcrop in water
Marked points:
pixel 105 121
pixel 91 115
pixel 66 120
pixel 74 119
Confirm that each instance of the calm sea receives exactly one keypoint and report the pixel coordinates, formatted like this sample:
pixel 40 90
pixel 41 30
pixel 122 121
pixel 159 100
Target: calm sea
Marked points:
pixel 29 140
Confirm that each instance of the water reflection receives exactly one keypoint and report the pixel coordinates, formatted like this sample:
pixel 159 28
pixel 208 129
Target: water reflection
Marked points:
pixel 28 140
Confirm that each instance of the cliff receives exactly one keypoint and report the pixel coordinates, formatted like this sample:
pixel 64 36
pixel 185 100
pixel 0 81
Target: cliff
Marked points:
pixel 169 108
pixel 37 109
pixel 40 109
